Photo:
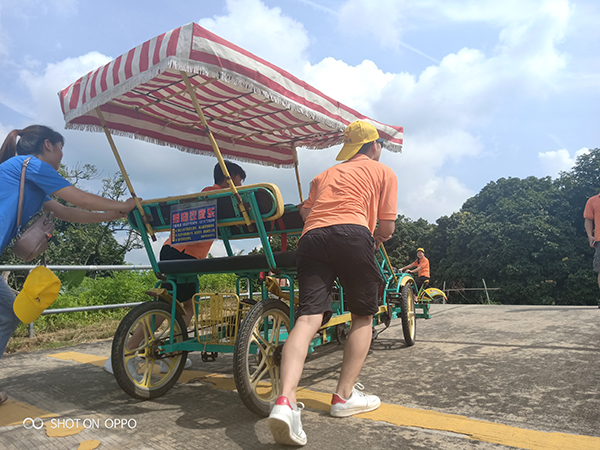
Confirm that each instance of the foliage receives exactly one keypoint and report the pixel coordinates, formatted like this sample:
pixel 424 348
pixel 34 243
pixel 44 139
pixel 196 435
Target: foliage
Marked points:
pixel 524 236
pixel 122 287
pixel 408 236
pixel 217 282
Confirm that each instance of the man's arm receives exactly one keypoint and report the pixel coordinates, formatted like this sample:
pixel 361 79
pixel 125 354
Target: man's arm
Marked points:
pixel 416 269
pixel 589 226
pixel 304 212
pixel 384 231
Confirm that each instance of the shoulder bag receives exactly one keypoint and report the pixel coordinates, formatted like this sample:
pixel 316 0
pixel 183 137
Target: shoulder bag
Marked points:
pixel 32 242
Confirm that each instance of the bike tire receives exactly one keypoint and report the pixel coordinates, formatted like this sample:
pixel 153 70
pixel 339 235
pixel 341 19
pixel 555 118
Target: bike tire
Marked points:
pixel 256 372
pixel 139 374
pixel 407 314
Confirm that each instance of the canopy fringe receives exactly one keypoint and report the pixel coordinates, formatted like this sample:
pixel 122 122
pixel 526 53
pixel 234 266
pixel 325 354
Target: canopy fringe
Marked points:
pixel 99 129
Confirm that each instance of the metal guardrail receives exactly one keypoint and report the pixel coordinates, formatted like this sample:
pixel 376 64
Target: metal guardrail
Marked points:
pixel 70 268
pixel 89 269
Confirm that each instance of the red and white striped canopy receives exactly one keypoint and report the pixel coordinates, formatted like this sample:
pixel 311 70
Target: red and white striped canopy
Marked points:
pixel 256 111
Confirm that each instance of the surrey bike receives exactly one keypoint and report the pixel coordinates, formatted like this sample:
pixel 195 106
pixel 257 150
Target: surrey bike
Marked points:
pixel 194 91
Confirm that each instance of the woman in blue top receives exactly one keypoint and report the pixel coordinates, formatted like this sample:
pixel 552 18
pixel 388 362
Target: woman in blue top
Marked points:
pixel 44 146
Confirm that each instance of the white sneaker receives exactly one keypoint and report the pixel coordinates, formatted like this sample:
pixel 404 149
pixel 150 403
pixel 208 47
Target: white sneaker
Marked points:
pixel 356 404
pixel 285 424
pixel 108 366
pixel 164 368
pixel 133 367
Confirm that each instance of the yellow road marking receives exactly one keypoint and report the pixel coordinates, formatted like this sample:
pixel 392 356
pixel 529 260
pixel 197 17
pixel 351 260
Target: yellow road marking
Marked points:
pixel 81 357
pixel 54 430
pixel 14 413
pixel 90 444
pixel 479 430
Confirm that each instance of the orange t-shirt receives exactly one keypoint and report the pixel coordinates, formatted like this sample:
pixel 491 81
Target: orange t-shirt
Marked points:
pixel 592 211
pixel 424 264
pixel 359 191
pixel 198 250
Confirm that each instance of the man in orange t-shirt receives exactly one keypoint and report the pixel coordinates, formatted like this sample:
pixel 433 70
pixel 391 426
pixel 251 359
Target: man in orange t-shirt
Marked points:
pixel 199 250
pixel 420 266
pixel 591 214
pixel 339 240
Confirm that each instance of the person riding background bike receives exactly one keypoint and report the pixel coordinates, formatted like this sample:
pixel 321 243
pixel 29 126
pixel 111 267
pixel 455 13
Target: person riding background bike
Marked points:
pixel 420 266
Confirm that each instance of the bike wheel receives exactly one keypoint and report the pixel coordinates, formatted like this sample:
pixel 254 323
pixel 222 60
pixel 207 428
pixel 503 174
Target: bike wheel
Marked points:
pixel 438 299
pixel 407 314
pixel 135 359
pixel 257 354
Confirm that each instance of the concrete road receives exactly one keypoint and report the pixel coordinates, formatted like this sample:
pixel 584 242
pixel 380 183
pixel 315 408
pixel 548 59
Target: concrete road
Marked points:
pixel 478 377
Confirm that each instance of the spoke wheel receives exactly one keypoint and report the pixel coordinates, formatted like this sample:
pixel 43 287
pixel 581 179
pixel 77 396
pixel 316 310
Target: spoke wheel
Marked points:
pixel 407 313
pixel 135 358
pixel 257 354
pixel 341 332
pixel 439 299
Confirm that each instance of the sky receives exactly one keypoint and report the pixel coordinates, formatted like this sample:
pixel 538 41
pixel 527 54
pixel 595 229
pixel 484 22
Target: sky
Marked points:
pixel 484 89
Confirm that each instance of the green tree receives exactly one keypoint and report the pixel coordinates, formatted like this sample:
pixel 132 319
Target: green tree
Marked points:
pixel 517 235
pixel 408 236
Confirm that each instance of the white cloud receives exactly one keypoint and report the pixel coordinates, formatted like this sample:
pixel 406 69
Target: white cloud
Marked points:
pixel 356 86
pixel 264 31
pixel 43 87
pixel 432 198
pixel 443 108
pixel 423 191
pixel 383 18
pixel 556 161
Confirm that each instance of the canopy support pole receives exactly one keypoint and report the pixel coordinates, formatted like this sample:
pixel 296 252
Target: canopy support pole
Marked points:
pixel 295 155
pixel 215 147
pixel 124 173
pixel 389 263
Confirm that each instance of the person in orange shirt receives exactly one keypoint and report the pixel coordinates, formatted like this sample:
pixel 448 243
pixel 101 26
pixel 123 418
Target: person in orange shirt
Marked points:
pixel 591 214
pixel 420 267
pixel 198 250
pixel 339 240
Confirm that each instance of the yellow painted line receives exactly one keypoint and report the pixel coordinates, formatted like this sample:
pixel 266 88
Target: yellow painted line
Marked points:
pixel 90 444
pixel 81 357
pixel 478 430
pixel 14 413
pixel 52 430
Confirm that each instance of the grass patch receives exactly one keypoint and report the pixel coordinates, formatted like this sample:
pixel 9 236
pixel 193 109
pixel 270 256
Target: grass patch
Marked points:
pixel 103 329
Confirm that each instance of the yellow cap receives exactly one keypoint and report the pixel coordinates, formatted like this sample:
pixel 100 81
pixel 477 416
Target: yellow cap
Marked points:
pixel 39 291
pixel 355 136
pixel 420 249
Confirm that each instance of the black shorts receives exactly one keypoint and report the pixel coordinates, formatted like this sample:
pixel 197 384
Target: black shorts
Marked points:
pixel 185 291
pixel 420 281
pixel 346 252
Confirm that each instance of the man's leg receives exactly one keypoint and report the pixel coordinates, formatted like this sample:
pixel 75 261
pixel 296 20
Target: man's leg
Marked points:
pixel 356 349
pixel 295 351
